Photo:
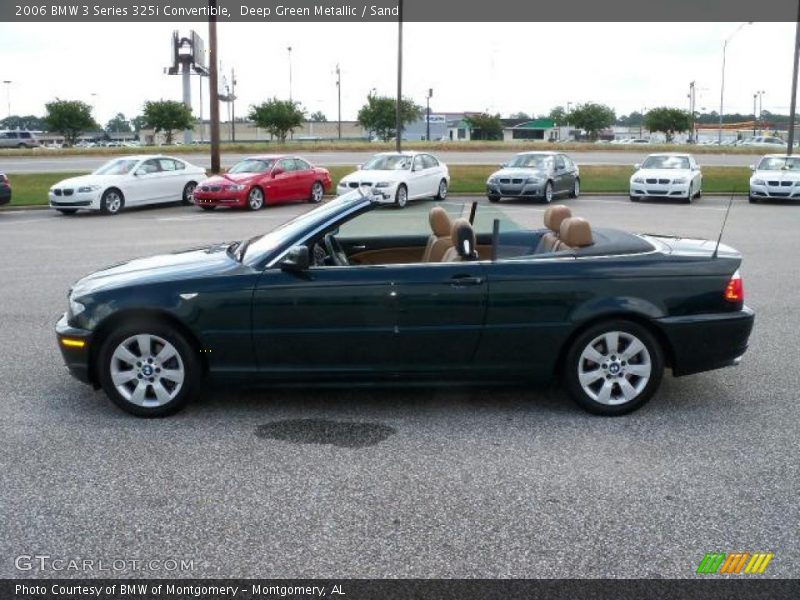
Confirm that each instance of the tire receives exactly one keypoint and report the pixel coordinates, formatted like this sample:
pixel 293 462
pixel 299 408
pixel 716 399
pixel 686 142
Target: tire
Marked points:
pixel 401 196
pixel 699 193
pixel 596 385
pixel 317 193
pixel 188 191
pixel 208 206
pixel 576 189
pixel 634 198
pixel 493 198
pixel 112 202
pixel 441 194
pixel 21 146
pixel 140 387
pixel 752 200
pixel 255 198
pixel 67 211
pixel 547 196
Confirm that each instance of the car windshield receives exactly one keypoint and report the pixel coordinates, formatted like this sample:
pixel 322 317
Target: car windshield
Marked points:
pixel 532 161
pixel 120 166
pixel 252 165
pixel 779 163
pixel 264 244
pixel 666 162
pixel 388 162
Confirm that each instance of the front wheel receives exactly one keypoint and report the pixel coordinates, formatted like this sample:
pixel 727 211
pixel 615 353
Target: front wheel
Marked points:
pixel 442 191
pixel 548 192
pixel 188 193
pixel 208 206
pixel 752 200
pixel 111 202
pixel 317 193
pixel 401 197
pixel 148 369
pixel 613 367
pixel 493 198
pixel 67 211
pixel 255 199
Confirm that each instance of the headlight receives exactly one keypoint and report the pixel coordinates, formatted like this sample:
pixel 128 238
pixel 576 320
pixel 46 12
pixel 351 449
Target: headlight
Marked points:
pixel 342 184
pixel 85 189
pixel 533 180
pixel 75 307
pixel 679 180
pixel 235 187
pixel 758 182
pixel 638 180
pixel 383 184
pixel 492 180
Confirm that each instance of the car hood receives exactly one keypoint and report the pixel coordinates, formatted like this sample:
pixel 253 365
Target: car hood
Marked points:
pixel 88 180
pixel 226 178
pixel 183 265
pixel 779 175
pixel 519 172
pixel 371 176
pixel 664 173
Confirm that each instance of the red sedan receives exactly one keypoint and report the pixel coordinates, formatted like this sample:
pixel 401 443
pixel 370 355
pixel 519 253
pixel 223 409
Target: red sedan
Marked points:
pixel 259 180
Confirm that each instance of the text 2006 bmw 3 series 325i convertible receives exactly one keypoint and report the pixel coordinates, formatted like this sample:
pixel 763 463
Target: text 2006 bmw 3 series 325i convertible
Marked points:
pixel 320 299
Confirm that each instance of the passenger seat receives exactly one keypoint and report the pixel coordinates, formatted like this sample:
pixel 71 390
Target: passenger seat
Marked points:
pixel 575 233
pixel 463 248
pixel 553 217
pixel 439 242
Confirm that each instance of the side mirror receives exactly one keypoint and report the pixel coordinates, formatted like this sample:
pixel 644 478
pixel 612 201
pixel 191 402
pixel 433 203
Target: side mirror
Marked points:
pixel 296 259
pixel 359 167
pixel 752 167
pixel 503 165
pixel 277 171
pixel 637 166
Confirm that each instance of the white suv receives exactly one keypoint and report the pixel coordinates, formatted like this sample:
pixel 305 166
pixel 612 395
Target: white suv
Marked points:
pixel 18 139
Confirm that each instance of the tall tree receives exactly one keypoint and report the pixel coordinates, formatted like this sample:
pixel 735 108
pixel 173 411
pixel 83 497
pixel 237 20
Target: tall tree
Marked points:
pixel 29 122
pixel 558 114
pixel 70 118
pixel 167 116
pixel 520 115
pixel 668 121
pixel 484 126
pixel 592 118
pixel 138 123
pixel 278 117
pixel 378 115
pixel 318 117
pixel 118 124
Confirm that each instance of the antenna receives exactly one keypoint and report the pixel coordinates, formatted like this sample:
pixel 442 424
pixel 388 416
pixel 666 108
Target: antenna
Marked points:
pixel 722 229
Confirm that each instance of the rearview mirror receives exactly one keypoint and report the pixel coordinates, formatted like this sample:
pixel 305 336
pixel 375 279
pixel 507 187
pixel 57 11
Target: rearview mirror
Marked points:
pixel 296 259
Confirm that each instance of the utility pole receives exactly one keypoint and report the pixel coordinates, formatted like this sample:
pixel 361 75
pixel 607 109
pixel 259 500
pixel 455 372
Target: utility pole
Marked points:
pixel 428 117
pixel 233 105
pixel 793 106
pixel 339 93
pixel 8 83
pixel 722 83
pixel 289 48
pixel 691 112
pixel 213 83
pixel 397 120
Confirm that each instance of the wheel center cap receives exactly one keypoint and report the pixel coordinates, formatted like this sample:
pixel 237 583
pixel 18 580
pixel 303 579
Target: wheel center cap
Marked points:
pixel 147 370
pixel 614 368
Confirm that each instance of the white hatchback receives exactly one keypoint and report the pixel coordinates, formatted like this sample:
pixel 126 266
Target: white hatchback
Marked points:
pixel 400 177
pixel 667 176
pixel 128 181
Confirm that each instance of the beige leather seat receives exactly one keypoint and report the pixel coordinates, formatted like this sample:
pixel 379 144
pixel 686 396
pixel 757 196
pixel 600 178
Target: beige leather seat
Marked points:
pixel 553 217
pixel 439 241
pixel 463 248
pixel 575 233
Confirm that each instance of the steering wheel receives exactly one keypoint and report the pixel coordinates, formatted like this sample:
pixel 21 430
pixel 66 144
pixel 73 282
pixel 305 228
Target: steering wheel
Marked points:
pixel 335 251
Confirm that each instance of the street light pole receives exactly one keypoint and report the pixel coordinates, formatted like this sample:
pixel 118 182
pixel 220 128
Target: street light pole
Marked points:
pixel 793 107
pixel 722 84
pixel 428 115
pixel 289 48
pixel 397 120
pixel 213 86
pixel 8 83
pixel 339 94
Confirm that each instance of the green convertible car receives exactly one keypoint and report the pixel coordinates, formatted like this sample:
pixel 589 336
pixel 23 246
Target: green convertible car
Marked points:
pixel 351 291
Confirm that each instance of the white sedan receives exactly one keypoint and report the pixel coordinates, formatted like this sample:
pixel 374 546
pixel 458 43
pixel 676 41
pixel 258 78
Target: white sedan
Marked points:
pixel 776 176
pixel 667 176
pixel 400 177
pixel 128 181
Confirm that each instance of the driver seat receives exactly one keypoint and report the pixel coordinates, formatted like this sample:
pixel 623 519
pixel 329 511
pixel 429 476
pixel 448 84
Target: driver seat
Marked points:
pixel 553 217
pixel 463 248
pixel 439 241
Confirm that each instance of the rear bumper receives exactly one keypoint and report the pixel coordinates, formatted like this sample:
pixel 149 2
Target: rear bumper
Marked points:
pixel 706 342
pixel 76 357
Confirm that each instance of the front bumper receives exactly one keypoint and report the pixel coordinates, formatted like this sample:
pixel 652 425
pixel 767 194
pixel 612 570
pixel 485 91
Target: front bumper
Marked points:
pixel 706 342
pixel 778 192
pixel 87 200
pixel 515 190
pixel 387 193
pixel 74 344
pixel 222 198
pixel 657 190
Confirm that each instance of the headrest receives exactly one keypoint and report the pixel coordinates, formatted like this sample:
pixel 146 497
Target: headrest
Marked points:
pixel 554 215
pixel 576 232
pixel 463 238
pixel 440 221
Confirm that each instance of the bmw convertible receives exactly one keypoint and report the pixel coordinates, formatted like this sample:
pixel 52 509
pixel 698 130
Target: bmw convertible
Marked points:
pixel 347 293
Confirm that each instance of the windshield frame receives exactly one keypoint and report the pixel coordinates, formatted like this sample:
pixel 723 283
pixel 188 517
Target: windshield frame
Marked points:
pixel 135 162
pixel 686 166
pixel 367 166
pixel 543 158
pixel 784 159
pixel 269 162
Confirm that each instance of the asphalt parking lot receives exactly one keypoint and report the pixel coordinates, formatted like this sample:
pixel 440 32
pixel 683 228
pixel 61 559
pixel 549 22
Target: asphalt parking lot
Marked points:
pixel 420 482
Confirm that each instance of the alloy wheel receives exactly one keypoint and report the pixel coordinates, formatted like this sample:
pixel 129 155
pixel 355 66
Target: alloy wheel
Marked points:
pixel 255 199
pixel 614 368
pixel 317 192
pixel 147 370
pixel 112 202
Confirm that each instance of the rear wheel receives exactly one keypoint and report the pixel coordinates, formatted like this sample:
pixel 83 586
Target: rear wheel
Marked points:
pixel 112 202
pixel 188 193
pixel 576 189
pixel 401 197
pixel 317 193
pixel 613 367
pixel 148 369
pixel 255 199
pixel 548 192
pixel 442 192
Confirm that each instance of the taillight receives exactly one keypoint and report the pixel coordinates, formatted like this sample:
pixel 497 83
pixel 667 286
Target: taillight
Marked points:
pixel 734 291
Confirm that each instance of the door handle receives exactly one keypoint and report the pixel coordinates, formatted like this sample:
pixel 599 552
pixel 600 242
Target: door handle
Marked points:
pixel 464 280
pixel 359 247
